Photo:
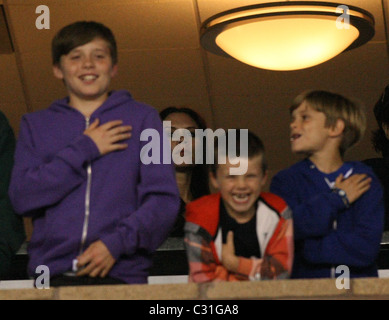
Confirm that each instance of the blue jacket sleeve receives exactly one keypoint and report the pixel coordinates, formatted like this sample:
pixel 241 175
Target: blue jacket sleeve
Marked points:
pixel 312 216
pixel 357 244
pixel 158 198
pixel 36 182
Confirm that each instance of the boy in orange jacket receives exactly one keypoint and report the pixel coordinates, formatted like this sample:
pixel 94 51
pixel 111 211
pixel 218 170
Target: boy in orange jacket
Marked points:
pixel 239 233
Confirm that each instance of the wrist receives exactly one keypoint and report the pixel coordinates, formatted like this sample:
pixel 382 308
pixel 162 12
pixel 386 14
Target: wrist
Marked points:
pixel 341 193
pixel 232 264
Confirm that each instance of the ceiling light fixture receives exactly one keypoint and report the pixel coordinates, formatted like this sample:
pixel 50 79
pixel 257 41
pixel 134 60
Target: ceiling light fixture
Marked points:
pixel 288 35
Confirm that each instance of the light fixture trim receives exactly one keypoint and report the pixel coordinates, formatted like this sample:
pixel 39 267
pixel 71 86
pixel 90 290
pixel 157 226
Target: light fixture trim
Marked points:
pixel 215 25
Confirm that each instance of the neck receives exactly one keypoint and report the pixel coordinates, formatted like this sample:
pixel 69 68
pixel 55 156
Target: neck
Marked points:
pixel 86 107
pixel 327 162
pixel 183 178
pixel 241 217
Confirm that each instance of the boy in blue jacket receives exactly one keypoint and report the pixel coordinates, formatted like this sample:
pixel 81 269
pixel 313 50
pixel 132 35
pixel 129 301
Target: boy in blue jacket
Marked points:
pixel 99 212
pixel 337 206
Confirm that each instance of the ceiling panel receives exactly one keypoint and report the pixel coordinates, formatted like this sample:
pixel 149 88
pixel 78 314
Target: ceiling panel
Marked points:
pixel 137 25
pixel 364 68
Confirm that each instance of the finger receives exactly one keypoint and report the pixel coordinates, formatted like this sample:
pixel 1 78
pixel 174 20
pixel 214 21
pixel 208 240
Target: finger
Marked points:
pixel 111 124
pixel 230 237
pixel 365 185
pixel 95 272
pixel 355 177
pixel 105 271
pixel 339 179
pixel 120 137
pixel 94 124
pixel 230 241
pixel 86 271
pixel 84 259
pixel 122 129
pixel 119 131
pixel 366 181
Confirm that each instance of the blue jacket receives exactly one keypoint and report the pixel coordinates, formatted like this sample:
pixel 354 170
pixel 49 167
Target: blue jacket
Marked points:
pixel 327 233
pixel 58 170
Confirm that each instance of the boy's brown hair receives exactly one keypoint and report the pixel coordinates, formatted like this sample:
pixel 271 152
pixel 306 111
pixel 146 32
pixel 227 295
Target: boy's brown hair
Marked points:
pixel 335 106
pixel 78 34
pixel 255 147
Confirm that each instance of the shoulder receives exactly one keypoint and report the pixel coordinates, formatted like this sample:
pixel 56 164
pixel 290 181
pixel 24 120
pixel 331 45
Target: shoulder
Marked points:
pixel 124 97
pixel 204 211
pixel 206 202
pixel 275 202
pixel 290 172
pixel 361 167
pixel 3 118
pixel 4 124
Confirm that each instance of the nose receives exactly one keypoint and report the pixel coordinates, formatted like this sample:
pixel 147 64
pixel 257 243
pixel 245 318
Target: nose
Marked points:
pixel 293 124
pixel 241 182
pixel 88 62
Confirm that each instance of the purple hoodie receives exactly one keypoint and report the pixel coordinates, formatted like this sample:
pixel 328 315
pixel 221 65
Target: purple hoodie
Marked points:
pixel 58 170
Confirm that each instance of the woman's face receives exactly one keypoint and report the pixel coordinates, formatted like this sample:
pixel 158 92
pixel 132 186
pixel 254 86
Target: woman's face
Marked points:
pixel 182 136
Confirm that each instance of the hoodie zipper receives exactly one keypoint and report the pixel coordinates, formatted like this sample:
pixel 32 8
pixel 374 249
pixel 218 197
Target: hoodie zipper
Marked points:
pixel 84 234
pixel 87 198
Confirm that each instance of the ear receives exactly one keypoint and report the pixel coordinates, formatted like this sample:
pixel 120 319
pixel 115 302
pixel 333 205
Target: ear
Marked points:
pixel 114 71
pixel 58 72
pixel 264 179
pixel 338 129
pixel 213 180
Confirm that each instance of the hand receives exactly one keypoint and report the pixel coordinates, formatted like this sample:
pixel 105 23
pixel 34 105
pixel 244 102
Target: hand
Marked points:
pixel 96 260
pixel 107 136
pixel 229 260
pixel 354 186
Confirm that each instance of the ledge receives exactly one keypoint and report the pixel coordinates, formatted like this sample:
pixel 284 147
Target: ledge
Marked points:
pixel 318 289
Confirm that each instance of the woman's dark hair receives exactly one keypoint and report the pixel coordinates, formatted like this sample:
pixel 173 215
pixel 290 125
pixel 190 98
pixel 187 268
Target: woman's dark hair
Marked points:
pixel 381 112
pixel 78 34
pixel 199 184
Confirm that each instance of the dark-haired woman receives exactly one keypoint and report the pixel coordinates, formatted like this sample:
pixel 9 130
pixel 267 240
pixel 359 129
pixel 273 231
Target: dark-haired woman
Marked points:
pixel 192 178
pixel 380 141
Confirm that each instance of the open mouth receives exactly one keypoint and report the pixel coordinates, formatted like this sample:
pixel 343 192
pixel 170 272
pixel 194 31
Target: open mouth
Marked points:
pixel 88 77
pixel 294 137
pixel 240 197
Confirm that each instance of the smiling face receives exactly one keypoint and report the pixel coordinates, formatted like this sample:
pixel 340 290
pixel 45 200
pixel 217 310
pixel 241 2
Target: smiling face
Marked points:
pixel 240 192
pixel 308 131
pixel 87 71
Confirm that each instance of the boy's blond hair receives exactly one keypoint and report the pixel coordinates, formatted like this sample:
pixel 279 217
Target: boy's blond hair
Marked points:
pixel 336 106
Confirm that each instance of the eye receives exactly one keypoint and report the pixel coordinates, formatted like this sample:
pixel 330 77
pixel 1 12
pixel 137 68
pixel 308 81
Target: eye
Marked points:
pixel 100 56
pixel 75 57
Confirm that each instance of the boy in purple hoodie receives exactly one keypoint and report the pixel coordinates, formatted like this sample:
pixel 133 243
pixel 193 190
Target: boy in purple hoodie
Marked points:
pixel 99 212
